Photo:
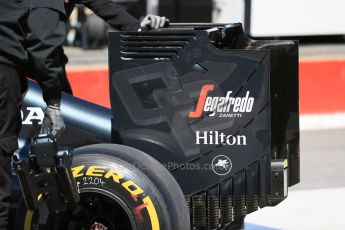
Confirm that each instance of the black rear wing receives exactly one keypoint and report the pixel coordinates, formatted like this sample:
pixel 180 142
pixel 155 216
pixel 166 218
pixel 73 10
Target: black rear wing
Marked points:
pixel 207 96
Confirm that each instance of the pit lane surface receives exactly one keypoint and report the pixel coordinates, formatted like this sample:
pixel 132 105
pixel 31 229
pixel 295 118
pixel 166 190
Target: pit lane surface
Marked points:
pixel 318 201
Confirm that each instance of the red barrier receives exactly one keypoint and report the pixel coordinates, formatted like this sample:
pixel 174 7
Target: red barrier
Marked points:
pixel 322 86
pixel 91 85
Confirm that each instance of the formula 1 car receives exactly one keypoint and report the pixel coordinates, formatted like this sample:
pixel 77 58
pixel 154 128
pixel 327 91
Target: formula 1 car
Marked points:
pixel 203 129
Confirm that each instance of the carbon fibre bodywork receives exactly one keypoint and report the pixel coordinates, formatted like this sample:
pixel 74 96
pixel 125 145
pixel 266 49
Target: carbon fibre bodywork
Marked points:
pixel 158 79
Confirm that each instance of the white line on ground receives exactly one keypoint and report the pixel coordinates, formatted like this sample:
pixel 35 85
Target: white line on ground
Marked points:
pixel 304 209
pixel 322 121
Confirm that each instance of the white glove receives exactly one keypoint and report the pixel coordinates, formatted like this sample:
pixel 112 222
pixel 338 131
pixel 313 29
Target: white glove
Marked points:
pixel 53 121
pixel 153 22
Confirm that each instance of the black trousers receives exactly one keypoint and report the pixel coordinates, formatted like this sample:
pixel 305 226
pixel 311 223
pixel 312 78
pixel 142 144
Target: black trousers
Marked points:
pixel 65 85
pixel 11 86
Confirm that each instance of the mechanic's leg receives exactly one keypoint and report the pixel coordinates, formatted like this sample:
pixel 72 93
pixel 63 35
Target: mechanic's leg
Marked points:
pixel 5 188
pixel 10 122
pixel 65 85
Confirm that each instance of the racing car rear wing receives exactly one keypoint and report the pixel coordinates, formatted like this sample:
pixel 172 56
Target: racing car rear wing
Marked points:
pixel 218 109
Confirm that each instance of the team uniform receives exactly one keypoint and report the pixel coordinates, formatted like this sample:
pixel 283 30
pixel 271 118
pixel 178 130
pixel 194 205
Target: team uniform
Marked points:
pixel 112 13
pixel 31 31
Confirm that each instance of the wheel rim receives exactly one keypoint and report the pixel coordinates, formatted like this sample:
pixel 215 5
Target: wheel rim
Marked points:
pixel 101 210
pixel 98 209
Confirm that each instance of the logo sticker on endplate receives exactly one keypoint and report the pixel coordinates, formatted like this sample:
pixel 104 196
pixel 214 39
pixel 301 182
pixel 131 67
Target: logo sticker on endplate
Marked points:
pixel 227 106
pixel 221 165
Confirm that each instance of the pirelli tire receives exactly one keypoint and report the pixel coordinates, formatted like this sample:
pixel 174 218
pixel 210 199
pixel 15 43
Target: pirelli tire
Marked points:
pixel 123 188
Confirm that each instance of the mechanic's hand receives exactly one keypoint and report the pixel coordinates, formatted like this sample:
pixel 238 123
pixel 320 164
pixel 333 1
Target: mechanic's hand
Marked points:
pixel 154 22
pixel 53 122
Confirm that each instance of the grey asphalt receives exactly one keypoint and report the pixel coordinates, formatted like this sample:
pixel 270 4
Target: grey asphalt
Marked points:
pixel 79 57
pixel 322 159
pixel 317 201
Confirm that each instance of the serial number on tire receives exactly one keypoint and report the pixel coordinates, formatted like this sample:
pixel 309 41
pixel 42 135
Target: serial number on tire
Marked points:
pixel 93 181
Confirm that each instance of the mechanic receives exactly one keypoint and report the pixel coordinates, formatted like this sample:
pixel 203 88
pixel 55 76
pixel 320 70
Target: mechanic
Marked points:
pixel 117 17
pixel 29 30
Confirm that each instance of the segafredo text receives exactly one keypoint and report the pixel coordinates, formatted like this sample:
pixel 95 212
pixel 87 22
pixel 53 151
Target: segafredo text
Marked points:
pixel 227 106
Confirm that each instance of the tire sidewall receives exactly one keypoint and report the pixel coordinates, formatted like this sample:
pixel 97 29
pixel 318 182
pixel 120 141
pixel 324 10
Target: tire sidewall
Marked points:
pixel 110 175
